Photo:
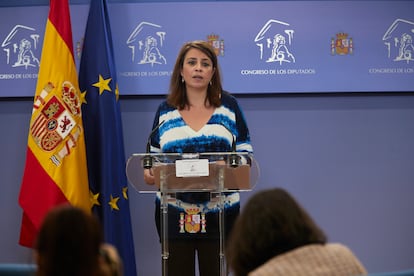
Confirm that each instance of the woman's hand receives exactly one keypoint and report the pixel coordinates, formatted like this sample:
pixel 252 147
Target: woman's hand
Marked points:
pixel 149 176
pixel 221 162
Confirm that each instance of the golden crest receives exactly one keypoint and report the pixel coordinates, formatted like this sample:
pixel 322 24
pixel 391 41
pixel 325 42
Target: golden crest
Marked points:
pixel 342 44
pixel 192 220
pixel 54 126
pixel 217 43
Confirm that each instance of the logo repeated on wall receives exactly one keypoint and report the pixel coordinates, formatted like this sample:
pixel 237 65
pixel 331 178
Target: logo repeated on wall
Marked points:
pixel 342 44
pixel 146 43
pixel 274 41
pixel 398 40
pixel 22 47
pixel 216 43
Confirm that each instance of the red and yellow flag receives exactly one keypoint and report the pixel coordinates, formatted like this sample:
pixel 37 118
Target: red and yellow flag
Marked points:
pixel 56 170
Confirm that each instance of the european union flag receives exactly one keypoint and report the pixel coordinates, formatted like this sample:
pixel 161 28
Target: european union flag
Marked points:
pixel 104 135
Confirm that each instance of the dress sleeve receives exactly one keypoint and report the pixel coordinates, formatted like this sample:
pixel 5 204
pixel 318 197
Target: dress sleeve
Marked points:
pixel 243 142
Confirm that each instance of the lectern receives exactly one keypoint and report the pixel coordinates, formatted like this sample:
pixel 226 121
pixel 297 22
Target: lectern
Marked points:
pixel 214 172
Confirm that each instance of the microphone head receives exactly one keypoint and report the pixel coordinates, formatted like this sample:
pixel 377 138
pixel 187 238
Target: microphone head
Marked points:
pixel 147 162
pixel 234 160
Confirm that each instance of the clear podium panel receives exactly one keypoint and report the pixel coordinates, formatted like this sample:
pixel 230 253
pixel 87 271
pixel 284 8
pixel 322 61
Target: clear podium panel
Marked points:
pixel 235 179
pixel 220 176
pixel 217 173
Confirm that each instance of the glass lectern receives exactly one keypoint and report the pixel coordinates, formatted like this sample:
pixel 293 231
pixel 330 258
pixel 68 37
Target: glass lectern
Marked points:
pixel 216 172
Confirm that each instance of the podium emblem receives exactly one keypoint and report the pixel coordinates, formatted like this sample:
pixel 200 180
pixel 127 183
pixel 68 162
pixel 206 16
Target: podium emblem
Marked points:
pixel 193 221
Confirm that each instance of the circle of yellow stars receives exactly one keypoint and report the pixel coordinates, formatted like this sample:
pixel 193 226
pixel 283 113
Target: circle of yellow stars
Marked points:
pixel 103 84
pixel 113 201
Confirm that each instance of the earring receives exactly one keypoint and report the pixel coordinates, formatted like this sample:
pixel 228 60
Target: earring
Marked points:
pixel 211 83
pixel 182 80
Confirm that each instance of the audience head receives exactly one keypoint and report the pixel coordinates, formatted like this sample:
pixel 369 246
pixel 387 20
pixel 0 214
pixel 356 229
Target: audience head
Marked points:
pixel 70 243
pixel 271 223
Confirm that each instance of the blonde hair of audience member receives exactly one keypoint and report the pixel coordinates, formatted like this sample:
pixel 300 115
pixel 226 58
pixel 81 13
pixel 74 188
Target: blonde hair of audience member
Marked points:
pixel 274 235
pixel 70 242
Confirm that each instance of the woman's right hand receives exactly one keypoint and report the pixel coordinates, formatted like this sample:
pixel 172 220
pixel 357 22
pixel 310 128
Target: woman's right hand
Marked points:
pixel 149 176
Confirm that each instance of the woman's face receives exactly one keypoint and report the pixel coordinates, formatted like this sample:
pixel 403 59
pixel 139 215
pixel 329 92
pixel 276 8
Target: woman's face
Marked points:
pixel 197 69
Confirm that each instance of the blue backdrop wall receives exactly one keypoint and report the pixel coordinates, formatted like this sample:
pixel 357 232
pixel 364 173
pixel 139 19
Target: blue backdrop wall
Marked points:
pixel 347 157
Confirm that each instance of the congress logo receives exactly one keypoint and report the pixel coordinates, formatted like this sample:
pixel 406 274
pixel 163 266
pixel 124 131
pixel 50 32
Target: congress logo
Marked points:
pixel 398 40
pixel 274 41
pixel 22 47
pixel 146 44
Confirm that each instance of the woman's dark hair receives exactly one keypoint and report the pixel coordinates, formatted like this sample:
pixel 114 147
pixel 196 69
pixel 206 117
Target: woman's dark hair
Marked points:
pixel 68 243
pixel 271 223
pixel 178 96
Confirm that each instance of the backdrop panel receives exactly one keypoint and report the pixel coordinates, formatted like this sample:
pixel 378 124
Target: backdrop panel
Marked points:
pixel 263 47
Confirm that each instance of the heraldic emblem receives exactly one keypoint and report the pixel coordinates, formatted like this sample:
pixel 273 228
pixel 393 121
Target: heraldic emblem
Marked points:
pixel 342 45
pixel 216 43
pixel 192 221
pixel 54 128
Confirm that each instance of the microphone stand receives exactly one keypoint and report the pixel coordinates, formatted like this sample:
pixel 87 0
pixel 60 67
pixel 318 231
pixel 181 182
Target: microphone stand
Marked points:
pixel 234 159
pixel 147 160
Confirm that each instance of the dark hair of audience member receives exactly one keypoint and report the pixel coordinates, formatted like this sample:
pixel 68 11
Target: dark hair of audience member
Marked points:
pixel 272 223
pixel 69 243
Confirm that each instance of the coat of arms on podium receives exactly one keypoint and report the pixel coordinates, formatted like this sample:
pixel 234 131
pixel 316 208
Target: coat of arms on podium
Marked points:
pixel 192 221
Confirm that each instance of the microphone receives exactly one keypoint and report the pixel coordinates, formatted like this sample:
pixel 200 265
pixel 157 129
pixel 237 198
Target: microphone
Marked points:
pixel 234 159
pixel 147 160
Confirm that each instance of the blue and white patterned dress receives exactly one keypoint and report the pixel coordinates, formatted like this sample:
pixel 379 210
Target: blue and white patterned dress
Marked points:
pixel 175 136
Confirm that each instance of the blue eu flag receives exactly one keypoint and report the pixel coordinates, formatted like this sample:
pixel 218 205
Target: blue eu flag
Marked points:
pixel 104 135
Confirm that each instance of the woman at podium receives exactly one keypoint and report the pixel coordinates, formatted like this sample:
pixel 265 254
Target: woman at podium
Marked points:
pixel 197 116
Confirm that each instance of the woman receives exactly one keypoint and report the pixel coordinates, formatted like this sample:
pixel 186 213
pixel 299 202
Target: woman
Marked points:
pixel 275 236
pixel 198 116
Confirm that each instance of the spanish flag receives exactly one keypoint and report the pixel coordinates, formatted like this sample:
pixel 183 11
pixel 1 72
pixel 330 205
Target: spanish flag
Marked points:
pixel 55 171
